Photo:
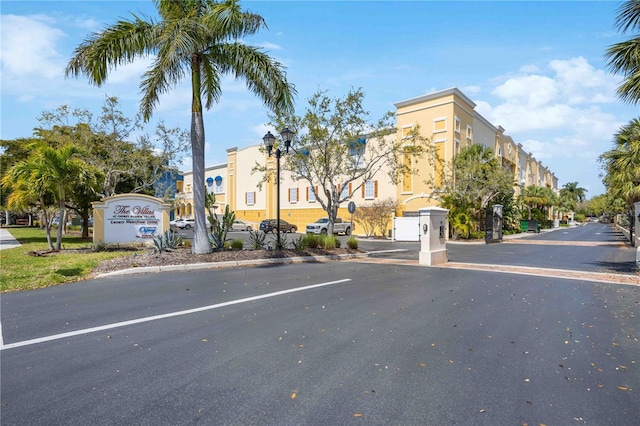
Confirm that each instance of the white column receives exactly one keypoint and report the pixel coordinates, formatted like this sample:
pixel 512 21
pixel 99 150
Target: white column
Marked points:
pixel 433 236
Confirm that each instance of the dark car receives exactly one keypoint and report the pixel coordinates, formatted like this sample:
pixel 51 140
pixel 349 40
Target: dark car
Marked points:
pixel 269 225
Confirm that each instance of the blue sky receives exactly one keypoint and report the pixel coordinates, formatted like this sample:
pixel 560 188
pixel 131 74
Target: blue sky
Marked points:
pixel 535 68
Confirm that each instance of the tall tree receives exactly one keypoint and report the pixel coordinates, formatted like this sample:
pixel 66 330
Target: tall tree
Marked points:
pixel 624 57
pixel 475 180
pixel 201 39
pixel 571 194
pixel 536 197
pixel 621 164
pixel 50 172
pixel 337 150
pixel 128 165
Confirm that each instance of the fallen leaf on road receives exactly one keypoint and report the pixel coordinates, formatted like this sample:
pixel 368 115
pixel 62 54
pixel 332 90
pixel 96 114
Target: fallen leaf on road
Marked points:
pixel 293 395
pixel 357 415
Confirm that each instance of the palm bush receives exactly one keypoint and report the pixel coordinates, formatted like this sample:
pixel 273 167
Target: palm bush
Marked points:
pixel 168 241
pixel 256 239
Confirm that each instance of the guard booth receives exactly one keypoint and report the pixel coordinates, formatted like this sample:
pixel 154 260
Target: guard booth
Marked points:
pixel 493 224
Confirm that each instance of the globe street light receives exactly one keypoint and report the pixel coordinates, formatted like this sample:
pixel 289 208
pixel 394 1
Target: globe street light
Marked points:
pixel 269 140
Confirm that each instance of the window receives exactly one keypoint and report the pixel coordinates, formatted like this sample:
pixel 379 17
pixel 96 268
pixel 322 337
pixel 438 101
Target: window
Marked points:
pixel 345 191
pixel 293 195
pixel 250 198
pixel 439 125
pixel 356 151
pixel 499 151
pixel 217 187
pixel 457 148
pixel 311 194
pixel 456 125
pixel 188 188
pixel 370 189
pixel 406 132
pixel 469 133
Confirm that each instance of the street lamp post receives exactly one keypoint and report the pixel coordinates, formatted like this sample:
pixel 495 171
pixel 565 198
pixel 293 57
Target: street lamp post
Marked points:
pixel 269 140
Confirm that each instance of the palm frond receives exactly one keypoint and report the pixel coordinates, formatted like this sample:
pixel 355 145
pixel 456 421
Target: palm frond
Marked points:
pixel 117 45
pixel 628 16
pixel 264 76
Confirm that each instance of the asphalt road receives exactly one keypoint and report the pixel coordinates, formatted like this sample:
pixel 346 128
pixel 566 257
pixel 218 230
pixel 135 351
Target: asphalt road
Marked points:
pixel 333 343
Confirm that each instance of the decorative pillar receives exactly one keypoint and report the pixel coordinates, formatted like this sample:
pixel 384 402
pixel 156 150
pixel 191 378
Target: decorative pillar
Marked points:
pixel 434 229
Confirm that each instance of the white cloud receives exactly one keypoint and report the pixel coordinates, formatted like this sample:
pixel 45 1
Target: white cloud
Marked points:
pixel 530 91
pixel 557 114
pixel 556 99
pixel 29 49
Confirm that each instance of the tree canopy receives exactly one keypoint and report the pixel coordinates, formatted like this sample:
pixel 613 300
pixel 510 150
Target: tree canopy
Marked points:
pixel 475 178
pixel 621 164
pixel 624 57
pixel 337 149
pixel 197 39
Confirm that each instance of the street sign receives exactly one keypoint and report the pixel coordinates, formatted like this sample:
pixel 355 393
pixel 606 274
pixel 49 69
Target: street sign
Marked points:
pixel 351 207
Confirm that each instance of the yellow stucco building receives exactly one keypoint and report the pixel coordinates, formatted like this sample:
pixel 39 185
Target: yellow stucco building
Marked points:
pixel 448 118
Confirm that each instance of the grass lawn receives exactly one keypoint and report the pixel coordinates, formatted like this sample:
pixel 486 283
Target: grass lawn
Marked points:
pixel 21 271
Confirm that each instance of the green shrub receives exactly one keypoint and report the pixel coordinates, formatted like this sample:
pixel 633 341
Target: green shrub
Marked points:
pixel 300 244
pixel 100 246
pixel 256 239
pixel 352 243
pixel 312 241
pixel 284 243
pixel 237 244
pixel 330 243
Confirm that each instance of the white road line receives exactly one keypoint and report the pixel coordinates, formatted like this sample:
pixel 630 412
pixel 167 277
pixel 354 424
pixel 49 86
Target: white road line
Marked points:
pixel 163 316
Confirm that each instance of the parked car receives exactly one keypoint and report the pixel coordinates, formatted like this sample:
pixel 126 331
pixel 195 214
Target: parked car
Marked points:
pixel 175 222
pixel 241 225
pixel 321 226
pixel 189 223
pixel 270 225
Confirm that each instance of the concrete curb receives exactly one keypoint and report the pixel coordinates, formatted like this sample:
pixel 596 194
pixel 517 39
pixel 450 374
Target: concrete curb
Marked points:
pixel 231 264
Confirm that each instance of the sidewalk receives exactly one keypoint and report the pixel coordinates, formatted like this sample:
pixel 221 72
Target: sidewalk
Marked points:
pixel 6 240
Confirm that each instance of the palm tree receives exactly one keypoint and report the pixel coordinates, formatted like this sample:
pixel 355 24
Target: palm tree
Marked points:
pixel 624 57
pixel 571 194
pixel 622 164
pixel 195 38
pixel 534 197
pixel 49 172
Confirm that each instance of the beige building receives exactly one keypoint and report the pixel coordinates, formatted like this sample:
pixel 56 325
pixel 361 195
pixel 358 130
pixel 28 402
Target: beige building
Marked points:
pixel 448 118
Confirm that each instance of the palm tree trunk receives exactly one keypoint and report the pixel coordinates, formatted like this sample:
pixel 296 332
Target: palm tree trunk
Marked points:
pixel 61 223
pixel 47 226
pixel 201 243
